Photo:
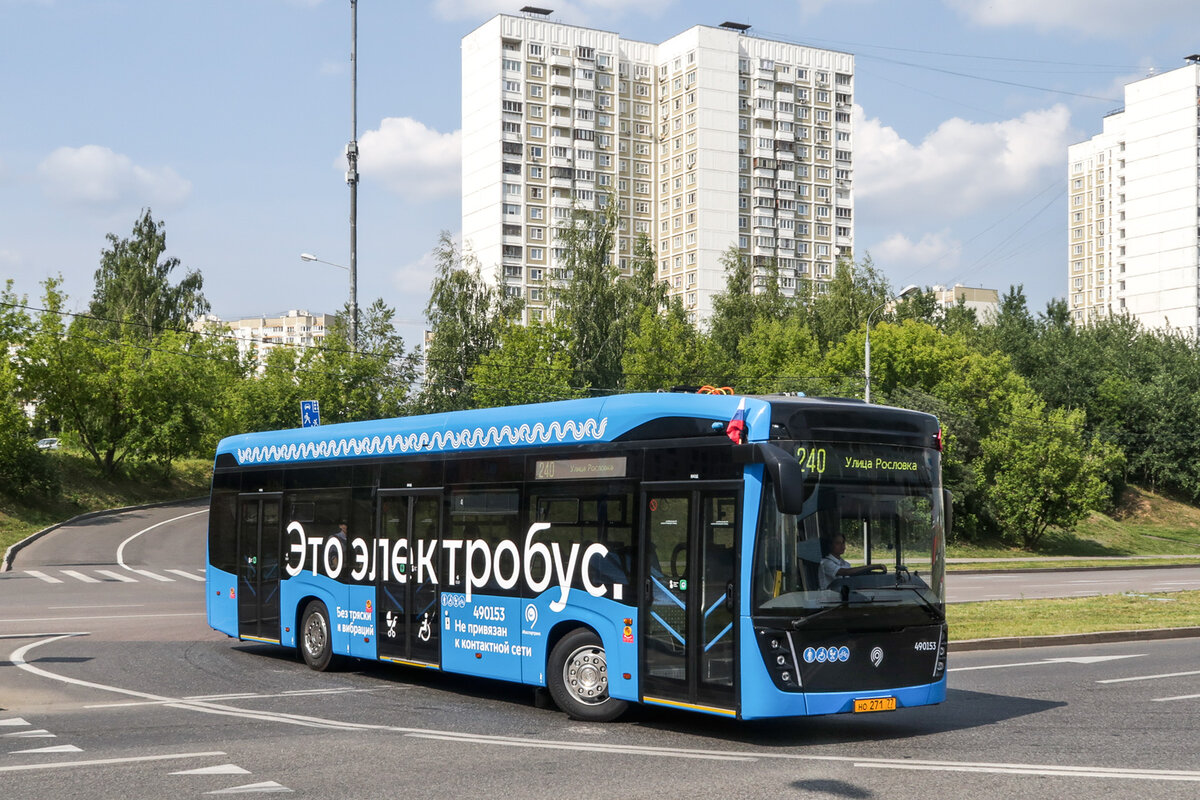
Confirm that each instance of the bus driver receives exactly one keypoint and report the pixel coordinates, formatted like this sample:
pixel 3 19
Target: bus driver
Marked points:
pixel 833 566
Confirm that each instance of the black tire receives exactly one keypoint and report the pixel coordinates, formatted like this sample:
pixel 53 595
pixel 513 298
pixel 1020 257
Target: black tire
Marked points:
pixel 577 677
pixel 313 640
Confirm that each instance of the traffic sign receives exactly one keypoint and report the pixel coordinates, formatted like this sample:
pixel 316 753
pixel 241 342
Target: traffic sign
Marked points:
pixel 310 413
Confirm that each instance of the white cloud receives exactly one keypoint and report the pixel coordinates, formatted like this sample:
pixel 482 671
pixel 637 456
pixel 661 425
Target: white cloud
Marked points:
pixel 898 253
pixel 95 175
pixel 958 167
pixel 411 159
pixel 1112 19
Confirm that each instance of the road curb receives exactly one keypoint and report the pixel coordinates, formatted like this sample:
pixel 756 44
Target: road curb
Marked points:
pixel 16 547
pixel 1056 568
pixel 1100 637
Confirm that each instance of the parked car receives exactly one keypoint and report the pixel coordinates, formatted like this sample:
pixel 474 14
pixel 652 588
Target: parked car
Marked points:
pixel 48 444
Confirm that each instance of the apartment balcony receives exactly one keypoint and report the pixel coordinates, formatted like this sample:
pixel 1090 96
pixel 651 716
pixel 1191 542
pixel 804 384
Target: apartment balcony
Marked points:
pixel 763 113
pixel 559 60
pixel 584 83
pixel 785 136
pixel 560 80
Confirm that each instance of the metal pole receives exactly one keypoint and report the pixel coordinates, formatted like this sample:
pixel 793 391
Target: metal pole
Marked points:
pixel 867 361
pixel 352 173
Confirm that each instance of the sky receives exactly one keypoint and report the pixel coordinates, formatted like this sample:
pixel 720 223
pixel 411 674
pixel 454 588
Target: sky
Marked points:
pixel 228 119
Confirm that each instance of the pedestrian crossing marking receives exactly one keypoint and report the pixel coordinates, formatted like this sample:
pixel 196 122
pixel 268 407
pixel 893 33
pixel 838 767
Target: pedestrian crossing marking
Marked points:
pixel 116 576
pixel 79 576
pixel 153 575
pixel 187 575
pixel 41 576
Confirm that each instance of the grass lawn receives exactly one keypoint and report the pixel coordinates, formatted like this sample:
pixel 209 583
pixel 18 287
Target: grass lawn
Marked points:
pixel 1145 524
pixel 83 489
pixel 1114 612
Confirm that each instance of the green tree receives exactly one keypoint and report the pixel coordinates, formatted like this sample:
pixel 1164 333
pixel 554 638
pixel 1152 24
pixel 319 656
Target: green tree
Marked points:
pixel 270 399
pixel 531 365
pixel 664 351
pixel 589 303
pixel 133 285
pixel 777 355
pixel 466 316
pixel 370 382
pixel 1039 471
pixel 855 291
pixel 23 470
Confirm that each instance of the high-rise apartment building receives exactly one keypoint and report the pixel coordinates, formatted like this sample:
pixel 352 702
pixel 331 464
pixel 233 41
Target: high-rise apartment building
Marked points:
pixel 1134 207
pixel 711 139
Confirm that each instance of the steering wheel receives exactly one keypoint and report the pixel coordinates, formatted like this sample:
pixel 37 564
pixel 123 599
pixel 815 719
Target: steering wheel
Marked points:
pixel 877 568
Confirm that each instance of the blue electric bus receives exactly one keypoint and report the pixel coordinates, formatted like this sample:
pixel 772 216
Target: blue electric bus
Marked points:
pixel 742 556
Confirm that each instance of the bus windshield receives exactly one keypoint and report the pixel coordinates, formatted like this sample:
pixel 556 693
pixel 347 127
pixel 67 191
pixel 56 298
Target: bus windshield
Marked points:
pixel 868 542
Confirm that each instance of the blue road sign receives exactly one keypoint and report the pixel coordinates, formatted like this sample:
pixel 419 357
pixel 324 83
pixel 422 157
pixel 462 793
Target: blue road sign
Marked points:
pixel 310 413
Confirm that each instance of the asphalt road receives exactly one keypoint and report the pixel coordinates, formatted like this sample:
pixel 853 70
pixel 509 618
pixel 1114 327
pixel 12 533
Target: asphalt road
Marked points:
pixel 117 688
pixel 966 586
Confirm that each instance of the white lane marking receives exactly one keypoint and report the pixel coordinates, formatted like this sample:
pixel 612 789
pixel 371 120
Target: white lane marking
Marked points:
pixel 38 734
pixel 1047 770
pixel 154 576
pixel 222 769
pixel 187 575
pixel 236 696
pixel 116 576
pixel 18 660
pixel 99 762
pixel 121 547
pixel 103 616
pixel 590 747
pixel 60 748
pixel 77 608
pixel 79 576
pixel 1075 660
pixel 1179 697
pixel 255 788
pixel 41 576
pixel 12 722
pixel 1151 677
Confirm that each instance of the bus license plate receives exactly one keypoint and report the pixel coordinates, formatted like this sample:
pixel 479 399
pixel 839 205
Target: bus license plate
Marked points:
pixel 875 704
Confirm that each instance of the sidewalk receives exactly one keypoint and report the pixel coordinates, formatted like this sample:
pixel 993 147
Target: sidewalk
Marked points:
pixel 1068 559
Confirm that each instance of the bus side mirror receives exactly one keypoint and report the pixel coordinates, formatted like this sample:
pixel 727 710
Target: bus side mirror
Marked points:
pixel 787 476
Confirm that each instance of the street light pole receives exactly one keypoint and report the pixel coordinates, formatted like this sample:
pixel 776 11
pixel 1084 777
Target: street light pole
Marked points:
pixel 907 290
pixel 352 173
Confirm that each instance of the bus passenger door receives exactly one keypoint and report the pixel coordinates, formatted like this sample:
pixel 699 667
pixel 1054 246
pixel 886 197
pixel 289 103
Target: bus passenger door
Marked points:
pixel 688 602
pixel 260 544
pixel 408 592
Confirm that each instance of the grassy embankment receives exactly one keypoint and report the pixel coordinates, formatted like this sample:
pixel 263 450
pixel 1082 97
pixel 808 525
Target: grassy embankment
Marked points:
pixel 83 490
pixel 1146 524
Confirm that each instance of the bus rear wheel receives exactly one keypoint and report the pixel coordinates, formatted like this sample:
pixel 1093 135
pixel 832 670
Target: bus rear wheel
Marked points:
pixel 578 678
pixel 316 645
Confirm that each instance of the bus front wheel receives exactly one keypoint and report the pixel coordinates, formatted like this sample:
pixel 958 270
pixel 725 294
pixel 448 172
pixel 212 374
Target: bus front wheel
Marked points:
pixel 316 646
pixel 578 678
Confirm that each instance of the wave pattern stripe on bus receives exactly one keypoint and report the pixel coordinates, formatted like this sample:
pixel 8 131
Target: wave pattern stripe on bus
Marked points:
pixel 538 433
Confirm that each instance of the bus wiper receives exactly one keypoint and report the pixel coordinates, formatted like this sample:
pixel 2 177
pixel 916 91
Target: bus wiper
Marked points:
pixel 799 623
pixel 933 610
